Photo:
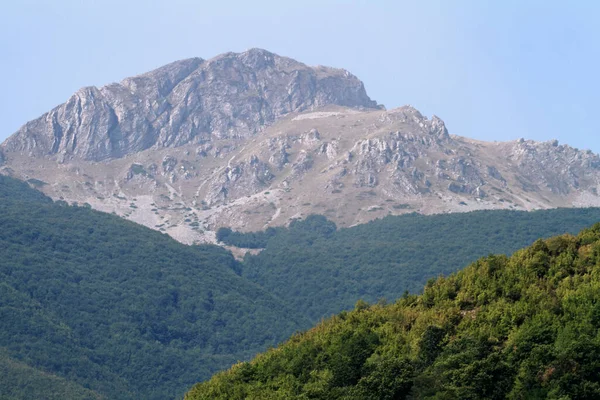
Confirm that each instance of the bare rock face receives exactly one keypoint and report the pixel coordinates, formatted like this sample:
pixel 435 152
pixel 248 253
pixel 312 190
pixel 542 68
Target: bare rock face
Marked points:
pixel 495 174
pixel 303 164
pixel 168 164
pixel 559 168
pixel 242 179
pixel 279 157
pixel 397 152
pixel 190 101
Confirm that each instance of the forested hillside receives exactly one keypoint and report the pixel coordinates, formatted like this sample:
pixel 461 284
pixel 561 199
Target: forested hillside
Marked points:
pixel 119 309
pixel 94 306
pixel 20 381
pixel 520 327
pixel 321 271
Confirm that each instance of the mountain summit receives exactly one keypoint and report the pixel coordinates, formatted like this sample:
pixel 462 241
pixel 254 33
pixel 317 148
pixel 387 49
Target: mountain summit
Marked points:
pixel 191 101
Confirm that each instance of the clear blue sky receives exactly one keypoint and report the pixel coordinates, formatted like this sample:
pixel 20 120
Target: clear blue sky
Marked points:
pixel 493 70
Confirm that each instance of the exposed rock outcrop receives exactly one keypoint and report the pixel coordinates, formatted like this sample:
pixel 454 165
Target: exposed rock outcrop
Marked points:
pixel 190 101
pixel 560 168
pixel 242 179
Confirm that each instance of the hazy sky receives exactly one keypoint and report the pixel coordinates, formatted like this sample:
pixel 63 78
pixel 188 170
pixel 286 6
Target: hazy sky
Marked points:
pixel 493 70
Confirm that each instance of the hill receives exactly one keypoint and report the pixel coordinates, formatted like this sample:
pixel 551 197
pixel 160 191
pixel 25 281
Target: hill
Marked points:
pixel 119 309
pixel 321 270
pixel 519 327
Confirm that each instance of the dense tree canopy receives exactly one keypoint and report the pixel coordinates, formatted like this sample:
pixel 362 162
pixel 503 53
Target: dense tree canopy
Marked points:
pixel 20 381
pixel 524 327
pixel 321 271
pixel 95 306
pixel 121 309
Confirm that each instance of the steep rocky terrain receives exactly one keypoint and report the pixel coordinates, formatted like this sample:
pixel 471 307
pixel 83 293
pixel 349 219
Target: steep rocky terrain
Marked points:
pixel 189 101
pixel 253 140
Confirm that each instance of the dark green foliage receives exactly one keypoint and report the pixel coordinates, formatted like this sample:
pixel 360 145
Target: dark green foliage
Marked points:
pixel 250 240
pixel 19 381
pixel 138 169
pixel 120 309
pixel 321 271
pixel 431 344
pixel 95 302
pixel 347 353
pixel 223 235
pixel 385 378
pixel 17 191
pixel 520 327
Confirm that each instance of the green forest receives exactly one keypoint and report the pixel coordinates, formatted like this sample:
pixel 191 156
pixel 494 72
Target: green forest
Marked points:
pixel 20 381
pixel 321 271
pixel 94 306
pixel 119 309
pixel 519 327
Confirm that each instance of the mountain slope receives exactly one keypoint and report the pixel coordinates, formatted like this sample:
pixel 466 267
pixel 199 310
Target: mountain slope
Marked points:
pixel 20 381
pixel 503 328
pixel 121 309
pixel 253 140
pixel 321 271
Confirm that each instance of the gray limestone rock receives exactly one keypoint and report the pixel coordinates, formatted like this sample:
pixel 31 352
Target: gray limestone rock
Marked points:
pixel 560 168
pixel 189 101
pixel 303 163
pixel 242 179
pixel 494 173
pixel 168 164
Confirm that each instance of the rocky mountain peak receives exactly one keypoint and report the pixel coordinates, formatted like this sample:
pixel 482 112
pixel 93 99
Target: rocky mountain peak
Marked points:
pixel 251 140
pixel 410 115
pixel 162 79
pixel 258 59
pixel 233 95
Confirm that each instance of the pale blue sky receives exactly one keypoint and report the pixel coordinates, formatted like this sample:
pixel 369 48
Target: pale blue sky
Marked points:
pixel 493 70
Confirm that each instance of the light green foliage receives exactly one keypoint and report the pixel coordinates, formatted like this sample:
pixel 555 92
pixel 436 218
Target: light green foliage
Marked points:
pixel 519 327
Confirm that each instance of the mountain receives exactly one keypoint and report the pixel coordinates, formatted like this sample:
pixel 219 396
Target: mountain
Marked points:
pixel 254 140
pixel 96 305
pixel 520 327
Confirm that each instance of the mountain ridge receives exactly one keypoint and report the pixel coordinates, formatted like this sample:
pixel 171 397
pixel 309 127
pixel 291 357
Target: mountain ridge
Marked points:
pixel 253 140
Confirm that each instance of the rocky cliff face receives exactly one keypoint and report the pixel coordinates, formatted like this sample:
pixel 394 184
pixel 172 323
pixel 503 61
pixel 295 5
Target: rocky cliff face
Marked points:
pixel 189 101
pixel 548 165
pixel 253 140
